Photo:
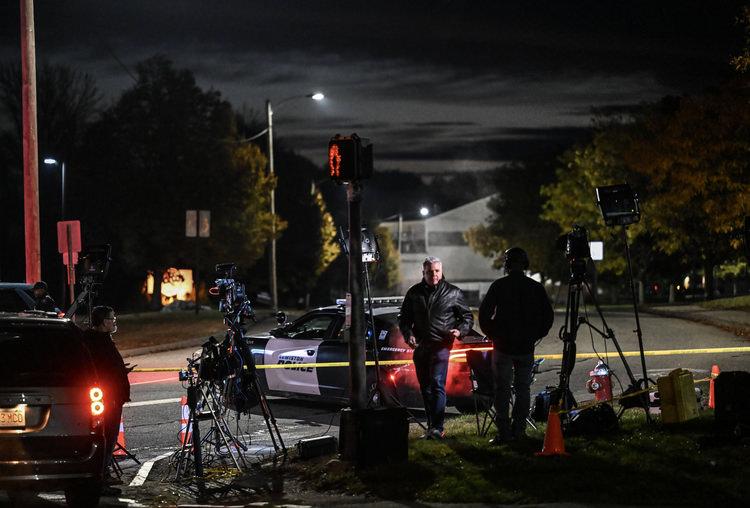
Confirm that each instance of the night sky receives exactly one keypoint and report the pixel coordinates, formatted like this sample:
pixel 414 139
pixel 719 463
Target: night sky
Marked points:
pixel 438 86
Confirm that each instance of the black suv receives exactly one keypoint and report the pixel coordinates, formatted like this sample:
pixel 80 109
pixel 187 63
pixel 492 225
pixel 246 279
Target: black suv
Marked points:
pixel 51 411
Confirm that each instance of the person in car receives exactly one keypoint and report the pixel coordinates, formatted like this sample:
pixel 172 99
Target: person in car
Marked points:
pixel 433 314
pixel 515 313
pixel 111 369
pixel 42 299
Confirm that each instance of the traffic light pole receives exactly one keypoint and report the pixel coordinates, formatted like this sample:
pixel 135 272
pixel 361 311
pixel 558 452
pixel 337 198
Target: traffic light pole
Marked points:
pixel 357 375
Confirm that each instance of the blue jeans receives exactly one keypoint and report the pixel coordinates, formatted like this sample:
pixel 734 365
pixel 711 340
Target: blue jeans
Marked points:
pixel 518 369
pixel 431 364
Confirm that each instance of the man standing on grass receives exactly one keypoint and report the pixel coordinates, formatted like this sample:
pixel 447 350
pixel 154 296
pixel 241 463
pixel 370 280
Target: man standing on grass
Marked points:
pixel 432 316
pixel 514 313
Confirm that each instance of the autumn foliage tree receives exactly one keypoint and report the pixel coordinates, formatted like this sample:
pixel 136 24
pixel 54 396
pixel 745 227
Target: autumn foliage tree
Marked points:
pixel 687 158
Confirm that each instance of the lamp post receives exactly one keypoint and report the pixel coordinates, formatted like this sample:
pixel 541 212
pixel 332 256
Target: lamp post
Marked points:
pixel 272 254
pixel 53 162
pixel 398 229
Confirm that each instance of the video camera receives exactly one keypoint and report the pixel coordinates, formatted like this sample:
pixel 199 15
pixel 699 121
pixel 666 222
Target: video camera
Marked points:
pixel 94 264
pixel 575 245
pixel 232 296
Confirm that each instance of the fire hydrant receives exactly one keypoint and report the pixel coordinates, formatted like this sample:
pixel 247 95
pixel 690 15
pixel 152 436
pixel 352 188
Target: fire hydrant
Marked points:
pixel 600 382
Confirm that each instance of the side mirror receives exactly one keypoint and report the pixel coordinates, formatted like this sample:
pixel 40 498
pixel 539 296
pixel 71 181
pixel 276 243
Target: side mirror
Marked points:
pixel 281 317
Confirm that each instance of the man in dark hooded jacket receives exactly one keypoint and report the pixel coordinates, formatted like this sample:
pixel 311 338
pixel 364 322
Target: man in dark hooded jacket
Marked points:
pixel 515 313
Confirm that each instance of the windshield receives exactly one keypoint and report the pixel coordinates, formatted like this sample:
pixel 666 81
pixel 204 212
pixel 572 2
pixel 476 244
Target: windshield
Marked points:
pixel 34 356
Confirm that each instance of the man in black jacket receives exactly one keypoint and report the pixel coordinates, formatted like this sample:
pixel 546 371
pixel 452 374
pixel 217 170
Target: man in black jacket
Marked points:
pixel 432 316
pixel 111 370
pixel 514 313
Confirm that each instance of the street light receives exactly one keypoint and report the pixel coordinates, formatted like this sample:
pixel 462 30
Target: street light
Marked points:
pixel 317 96
pixel 424 211
pixel 53 162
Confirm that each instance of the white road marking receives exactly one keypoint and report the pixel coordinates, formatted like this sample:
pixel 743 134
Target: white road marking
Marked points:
pixel 150 402
pixel 132 503
pixel 145 469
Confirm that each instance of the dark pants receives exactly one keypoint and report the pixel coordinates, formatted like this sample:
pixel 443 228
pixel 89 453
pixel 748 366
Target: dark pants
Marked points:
pixel 431 364
pixel 518 370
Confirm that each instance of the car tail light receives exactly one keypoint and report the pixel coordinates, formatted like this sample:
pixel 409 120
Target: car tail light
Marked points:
pixel 96 395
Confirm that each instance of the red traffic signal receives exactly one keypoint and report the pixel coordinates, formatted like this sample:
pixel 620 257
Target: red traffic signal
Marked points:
pixel 349 158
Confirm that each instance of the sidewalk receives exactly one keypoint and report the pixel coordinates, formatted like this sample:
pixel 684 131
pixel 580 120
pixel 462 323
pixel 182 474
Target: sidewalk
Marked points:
pixel 735 321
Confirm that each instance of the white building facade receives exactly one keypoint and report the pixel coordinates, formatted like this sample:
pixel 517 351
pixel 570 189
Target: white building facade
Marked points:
pixel 442 236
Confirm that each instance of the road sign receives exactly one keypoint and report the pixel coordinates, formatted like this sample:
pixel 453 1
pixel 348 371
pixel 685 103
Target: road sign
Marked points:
pixel 204 223
pixel 69 240
pixel 191 223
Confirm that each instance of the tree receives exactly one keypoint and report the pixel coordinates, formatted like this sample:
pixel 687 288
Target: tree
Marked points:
pixel 515 219
pixel 164 147
pixel 386 276
pixel 686 157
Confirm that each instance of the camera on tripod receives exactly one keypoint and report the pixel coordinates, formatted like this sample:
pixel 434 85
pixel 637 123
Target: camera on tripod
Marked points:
pixel 94 264
pixel 575 245
pixel 232 295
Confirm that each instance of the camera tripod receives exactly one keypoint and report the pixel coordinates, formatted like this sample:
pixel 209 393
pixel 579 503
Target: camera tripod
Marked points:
pixel 217 435
pixel 632 396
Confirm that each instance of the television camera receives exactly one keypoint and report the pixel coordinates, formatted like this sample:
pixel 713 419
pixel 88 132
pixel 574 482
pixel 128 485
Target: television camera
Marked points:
pixel 233 300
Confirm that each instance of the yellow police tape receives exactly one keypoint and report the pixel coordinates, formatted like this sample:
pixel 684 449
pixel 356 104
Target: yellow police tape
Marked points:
pixel 462 359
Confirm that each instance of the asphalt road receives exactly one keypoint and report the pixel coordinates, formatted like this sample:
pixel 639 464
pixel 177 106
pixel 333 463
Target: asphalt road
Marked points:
pixel 151 420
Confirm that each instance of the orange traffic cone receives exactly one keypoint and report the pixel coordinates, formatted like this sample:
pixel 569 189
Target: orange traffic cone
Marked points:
pixel 120 449
pixel 186 431
pixel 553 438
pixel 714 374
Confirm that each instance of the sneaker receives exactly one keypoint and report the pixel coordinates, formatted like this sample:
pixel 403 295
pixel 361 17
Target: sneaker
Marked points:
pixel 427 434
pixel 437 434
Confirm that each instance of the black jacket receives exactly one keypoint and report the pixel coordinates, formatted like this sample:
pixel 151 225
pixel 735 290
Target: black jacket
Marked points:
pixel 109 365
pixel 429 313
pixel 515 313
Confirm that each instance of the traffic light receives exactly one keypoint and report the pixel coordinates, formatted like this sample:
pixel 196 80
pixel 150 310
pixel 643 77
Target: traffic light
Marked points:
pixel 349 158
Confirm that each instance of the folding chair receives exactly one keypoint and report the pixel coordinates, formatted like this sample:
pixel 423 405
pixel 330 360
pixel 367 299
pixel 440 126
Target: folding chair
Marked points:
pixel 482 389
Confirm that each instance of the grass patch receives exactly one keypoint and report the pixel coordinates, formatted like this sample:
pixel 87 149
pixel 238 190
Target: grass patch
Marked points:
pixel 735 303
pixel 150 328
pixel 638 464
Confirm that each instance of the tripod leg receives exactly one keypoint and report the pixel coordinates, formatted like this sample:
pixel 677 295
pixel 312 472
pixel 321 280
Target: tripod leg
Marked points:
pixel 219 429
pixel 273 429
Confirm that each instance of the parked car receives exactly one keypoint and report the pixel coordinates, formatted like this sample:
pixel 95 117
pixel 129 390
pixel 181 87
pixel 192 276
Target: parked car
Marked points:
pixel 315 356
pixel 16 297
pixel 51 411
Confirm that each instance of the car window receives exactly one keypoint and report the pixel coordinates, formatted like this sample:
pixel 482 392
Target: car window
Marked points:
pixel 11 301
pixel 313 327
pixel 35 356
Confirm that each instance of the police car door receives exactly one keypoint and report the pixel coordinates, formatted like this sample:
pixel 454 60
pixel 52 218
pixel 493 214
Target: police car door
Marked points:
pixel 294 355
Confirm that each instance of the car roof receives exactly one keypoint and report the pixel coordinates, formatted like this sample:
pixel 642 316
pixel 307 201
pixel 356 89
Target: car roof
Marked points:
pixel 15 285
pixel 376 311
pixel 34 317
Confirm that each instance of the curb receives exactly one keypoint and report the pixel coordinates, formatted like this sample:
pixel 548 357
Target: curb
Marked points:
pixel 173 346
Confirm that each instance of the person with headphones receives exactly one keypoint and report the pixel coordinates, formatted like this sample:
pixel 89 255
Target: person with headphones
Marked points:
pixel 515 313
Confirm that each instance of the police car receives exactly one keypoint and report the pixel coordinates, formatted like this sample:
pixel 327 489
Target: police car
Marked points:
pixel 308 358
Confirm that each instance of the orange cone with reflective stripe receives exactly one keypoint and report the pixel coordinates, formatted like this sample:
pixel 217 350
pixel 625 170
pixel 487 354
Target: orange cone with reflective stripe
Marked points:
pixel 553 437
pixel 714 374
pixel 186 431
pixel 120 450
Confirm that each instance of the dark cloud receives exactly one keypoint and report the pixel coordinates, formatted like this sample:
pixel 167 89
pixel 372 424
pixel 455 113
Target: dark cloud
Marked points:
pixel 424 79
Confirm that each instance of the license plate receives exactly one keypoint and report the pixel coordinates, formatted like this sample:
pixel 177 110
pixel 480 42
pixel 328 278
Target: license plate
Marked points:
pixel 13 417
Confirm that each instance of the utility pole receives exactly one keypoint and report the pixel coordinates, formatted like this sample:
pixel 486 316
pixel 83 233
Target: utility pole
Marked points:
pixel 357 377
pixel 30 151
pixel 272 253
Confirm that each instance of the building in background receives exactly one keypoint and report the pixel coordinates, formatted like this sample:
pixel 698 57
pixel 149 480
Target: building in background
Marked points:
pixel 442 236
